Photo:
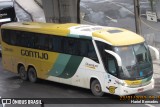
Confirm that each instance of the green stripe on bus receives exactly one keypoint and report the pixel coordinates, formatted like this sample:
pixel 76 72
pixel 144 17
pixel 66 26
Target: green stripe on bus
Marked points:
pixel 74 36
pixel 86 37
pixel 60 65
pixel 71 67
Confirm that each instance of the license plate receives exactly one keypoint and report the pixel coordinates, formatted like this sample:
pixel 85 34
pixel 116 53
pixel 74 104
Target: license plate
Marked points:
pixel 140 90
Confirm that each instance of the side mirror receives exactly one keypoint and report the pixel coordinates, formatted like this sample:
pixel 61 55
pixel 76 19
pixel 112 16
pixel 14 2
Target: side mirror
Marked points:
pixel 154 52
pixel 118 58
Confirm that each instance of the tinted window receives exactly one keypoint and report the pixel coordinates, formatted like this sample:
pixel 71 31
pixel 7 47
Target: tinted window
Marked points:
pixel 66 45
pixel 41 42
pixel 87 49
pixel 13 37
pixel 57 44
pixel 79 47
pixel 102 46
pixel 6 36
pixel 111 64
pixel 108 60
pixel 22 38
pixel 71 46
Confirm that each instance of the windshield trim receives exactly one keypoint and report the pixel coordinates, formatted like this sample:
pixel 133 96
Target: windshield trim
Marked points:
pixel 118 58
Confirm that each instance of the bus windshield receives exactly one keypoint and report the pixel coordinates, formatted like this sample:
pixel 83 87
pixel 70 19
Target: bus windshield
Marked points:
pixel 136 61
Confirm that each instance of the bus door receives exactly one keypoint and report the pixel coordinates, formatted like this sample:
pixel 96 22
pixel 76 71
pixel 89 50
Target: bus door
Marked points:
pixel 110 65
pixel 111 77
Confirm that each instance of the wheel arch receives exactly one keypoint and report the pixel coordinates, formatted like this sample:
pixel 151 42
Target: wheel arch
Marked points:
pixel 94 78
pixel 30 66
pixel 19 65
pixel 33 76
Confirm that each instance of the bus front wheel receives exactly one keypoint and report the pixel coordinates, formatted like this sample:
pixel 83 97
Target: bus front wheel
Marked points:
pixel 96 88
pixel 22 73
pixel 32 75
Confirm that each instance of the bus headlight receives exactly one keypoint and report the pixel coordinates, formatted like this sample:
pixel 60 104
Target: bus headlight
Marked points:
pixel 121 82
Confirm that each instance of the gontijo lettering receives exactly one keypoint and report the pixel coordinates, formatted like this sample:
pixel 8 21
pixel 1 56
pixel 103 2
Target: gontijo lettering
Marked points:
pixel 34 54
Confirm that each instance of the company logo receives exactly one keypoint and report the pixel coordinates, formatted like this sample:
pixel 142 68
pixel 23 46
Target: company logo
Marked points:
pixel 34 54
pixel 92 66
pixel 2 15
pixel 112 89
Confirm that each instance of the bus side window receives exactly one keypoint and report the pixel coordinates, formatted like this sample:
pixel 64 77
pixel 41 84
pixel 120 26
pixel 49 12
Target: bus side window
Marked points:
pixel 109 61
pixel 21 38
pixel 83 48
pixel 46 43
pixel 91 52
pixel 50 44
pixel 71 46
pixel 6 36
pixel 25 39
pixel 13 38
pixel 41 42
pixel 32 40
pixel 112 65
pixel 87 50
pixel 57 44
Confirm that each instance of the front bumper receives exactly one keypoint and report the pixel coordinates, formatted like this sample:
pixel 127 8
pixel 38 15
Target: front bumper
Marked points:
pixel 129 91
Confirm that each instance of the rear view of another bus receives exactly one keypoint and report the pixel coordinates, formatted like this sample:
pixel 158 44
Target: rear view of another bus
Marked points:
pixel 7 13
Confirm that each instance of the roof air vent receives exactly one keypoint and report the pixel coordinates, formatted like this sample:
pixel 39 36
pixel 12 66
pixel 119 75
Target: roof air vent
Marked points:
pixel 115 31
pixel 25 23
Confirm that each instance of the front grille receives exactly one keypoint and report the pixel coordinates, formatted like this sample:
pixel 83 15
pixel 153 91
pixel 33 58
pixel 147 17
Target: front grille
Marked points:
pixel 140 85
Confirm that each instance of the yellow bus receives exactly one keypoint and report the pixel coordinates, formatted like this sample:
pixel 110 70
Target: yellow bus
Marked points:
pixel 103 59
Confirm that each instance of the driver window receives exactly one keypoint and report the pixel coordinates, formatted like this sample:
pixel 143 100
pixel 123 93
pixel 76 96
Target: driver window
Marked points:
pixel 108 60
pixel 111 64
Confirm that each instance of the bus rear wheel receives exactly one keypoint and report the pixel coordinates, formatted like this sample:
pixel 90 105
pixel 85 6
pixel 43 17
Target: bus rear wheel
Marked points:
pixel 96 88
pixel 32 75
pixel 22 73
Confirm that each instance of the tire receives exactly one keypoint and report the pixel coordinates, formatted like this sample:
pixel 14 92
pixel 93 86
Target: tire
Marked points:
pixel 22 73
pixel 32 75
pixel 96 88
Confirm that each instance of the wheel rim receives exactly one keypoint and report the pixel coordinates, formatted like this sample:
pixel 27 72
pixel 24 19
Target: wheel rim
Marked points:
pixel 22 73
pixel 97 88
pixel 32 75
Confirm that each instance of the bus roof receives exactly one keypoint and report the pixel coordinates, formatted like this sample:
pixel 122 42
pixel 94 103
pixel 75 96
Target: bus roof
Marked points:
pixel 47 28
pixel 112 35
pixel 119 37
